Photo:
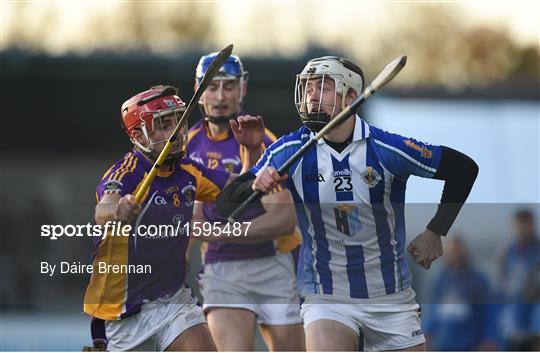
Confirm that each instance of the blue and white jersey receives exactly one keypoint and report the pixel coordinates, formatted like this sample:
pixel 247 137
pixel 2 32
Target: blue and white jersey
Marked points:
pixel 350 208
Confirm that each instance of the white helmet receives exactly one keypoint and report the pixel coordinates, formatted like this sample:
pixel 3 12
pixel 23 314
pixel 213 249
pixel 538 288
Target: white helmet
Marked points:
pixel 344 73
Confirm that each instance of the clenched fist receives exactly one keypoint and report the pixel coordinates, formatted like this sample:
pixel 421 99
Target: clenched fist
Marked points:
pixel 425 248
pixel 127 209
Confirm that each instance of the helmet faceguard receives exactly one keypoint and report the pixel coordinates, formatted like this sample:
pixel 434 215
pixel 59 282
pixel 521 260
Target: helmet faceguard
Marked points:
pixel 321 74
pixel 232 70
pixel 155 108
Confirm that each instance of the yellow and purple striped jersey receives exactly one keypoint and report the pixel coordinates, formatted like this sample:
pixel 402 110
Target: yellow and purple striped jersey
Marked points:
pixel 169 201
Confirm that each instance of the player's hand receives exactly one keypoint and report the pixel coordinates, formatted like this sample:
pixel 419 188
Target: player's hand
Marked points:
pixel 425 248
pixel 268 180
pixel 248 131
pixel 127 209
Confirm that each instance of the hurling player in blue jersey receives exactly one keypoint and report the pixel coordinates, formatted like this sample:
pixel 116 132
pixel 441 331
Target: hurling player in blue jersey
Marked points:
pixel 349 193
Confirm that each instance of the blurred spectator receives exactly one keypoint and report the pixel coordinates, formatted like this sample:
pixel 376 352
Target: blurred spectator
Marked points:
pixel 519 321
pixel 532 294
pixel 460 318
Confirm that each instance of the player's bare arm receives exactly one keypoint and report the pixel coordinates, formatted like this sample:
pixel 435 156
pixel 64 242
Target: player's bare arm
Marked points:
pixel 114 207
pixel 198 216
pixel 278 220
pixel 249 131
pixel 232 177
pixel 459 173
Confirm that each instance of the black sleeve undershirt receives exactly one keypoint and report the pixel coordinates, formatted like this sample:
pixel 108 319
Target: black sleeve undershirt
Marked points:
pixel 459 172
pixel 234 194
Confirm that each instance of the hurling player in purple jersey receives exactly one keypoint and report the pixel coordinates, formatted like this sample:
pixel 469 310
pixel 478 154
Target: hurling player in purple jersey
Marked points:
pixel 137 296
pixel 236 293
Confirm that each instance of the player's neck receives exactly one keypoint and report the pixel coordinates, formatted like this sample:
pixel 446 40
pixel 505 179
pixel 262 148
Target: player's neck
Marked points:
pixel 342 132
pixel 217 129
pixel 166 168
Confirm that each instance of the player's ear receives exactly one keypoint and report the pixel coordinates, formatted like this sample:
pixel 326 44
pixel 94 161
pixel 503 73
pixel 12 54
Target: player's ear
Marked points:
pixel 139 137
pixel 244 89
pixel 351 95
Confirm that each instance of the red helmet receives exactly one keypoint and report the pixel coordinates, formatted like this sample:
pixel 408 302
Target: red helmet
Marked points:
pixel 141 111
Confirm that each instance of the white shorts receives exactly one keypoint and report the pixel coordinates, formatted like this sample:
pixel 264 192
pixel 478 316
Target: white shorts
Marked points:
pixel 265 286
pixel 388 323
pixel 157 325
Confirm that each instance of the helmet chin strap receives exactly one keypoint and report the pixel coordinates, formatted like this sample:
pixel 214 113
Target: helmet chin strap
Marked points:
pixel 172 159
pixel 144 149
pixel 224 119
pixel 316 121
pixel 152 155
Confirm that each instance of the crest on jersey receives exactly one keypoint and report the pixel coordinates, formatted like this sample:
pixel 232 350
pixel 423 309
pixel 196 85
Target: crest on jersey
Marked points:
pixel 113 186
pixel 231 163
pixel 188 192
pixel 371 177
pixel 178 218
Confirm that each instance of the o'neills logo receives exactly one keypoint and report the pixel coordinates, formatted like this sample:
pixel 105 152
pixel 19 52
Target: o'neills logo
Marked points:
pixel 343 172
pixel 424 151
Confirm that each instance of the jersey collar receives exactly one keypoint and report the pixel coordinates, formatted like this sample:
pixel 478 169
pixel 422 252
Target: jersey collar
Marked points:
pixel 145 163
pixel 361 130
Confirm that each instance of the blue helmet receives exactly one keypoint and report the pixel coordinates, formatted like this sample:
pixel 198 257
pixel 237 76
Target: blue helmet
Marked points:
pixel 232 69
